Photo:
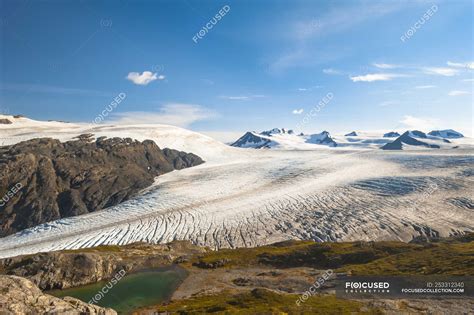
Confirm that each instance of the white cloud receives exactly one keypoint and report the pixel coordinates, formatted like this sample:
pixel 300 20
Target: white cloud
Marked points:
pixel 298 111
pixel 468 80
pixel 447 72
pixel 425 86
pixel 411 122
pixel 468 65
pixel 384 66
pixel 331 71
pixel 302 89
pixel 375 77
pixel 176 114
pixel 145 78
pixel 458 93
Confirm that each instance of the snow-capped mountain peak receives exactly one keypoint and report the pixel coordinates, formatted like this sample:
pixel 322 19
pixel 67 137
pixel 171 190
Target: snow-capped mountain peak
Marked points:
pixel 447 133
pixel 417 134
pixel 252 140
pixel 322 138
pixel 283 138
pixel 276 131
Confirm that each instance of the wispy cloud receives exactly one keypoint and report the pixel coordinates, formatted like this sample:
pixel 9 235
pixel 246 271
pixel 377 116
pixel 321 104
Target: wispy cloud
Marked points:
pixel 425 86
pixel 298 111
pixel 145 78
pixel 310 88
pixel 207 81
pixel 468 80
pixel 339 19
pixel 388 103
pixel 343 18
pixel 385 66
pixel 467 65
pixel 331 71
pixel 242 97
pixel 376 77
pixel 49 89
pixel 288 60
pixel 236 98
pixel 458 93
pixel 411 122
pixel 176 114
pixel 447 72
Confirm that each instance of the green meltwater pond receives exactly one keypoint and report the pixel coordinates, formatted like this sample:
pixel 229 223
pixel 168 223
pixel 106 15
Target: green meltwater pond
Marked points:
pixel 130 291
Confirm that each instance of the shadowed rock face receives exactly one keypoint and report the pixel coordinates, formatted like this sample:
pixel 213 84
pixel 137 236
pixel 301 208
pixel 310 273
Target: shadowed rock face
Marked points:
pixel 448 133
pixel 251 140
pixel 351 134
pixel 43 179
pixel 406 139
pixel 391 134
pixel 322 138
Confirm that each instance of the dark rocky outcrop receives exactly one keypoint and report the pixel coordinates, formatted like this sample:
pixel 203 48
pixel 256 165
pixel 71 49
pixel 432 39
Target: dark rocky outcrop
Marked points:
pixel 418 134
pixel 448 133
pixel 351 134
pixel 391 134
pixel 5 121
pixel 405 138
pixel 251 140
pixel 58 180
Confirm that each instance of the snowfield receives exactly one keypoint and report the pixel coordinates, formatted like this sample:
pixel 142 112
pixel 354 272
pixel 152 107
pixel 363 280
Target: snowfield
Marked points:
pixel 247 197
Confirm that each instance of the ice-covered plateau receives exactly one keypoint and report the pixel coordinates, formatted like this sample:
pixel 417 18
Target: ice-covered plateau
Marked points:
pixel 246 197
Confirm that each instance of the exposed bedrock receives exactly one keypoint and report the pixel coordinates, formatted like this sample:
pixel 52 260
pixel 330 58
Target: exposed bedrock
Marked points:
pixel 21 296
pixel 44 179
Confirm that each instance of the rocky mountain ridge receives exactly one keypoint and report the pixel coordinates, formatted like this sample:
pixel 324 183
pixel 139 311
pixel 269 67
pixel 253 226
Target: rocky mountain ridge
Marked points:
pixel 21 296
pixel 281 137
pixel 63 179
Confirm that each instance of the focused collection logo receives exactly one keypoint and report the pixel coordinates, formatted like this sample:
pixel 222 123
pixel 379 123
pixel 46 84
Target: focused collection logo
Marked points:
pixel 366 287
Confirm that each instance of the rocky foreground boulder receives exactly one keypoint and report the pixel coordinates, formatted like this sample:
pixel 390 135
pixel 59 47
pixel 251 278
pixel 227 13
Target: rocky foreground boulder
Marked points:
pixel 44 179
pixel 21 296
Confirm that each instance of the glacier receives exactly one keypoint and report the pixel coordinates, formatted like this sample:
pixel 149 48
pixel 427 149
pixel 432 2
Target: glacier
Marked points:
pixel 245 198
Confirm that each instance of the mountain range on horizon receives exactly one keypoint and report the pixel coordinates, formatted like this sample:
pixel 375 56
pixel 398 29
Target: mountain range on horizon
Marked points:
pixel 287 138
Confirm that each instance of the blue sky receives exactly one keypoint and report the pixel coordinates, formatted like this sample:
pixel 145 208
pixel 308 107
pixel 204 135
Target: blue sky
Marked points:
pixel 264 64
